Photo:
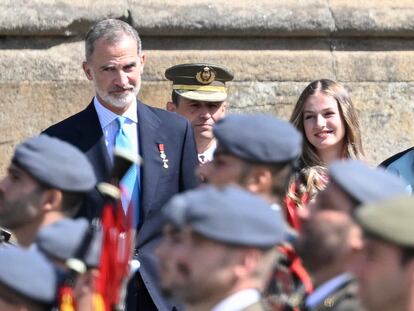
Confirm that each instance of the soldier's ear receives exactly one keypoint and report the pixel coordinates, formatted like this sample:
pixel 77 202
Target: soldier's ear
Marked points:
pixel 171 106
pixel 224 106
pixel 87 70
pixel 258 180
pixel 355 237
pixel 246 262
pixel 52 200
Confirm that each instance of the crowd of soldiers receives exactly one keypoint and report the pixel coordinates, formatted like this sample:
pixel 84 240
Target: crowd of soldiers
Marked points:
pixel 226 212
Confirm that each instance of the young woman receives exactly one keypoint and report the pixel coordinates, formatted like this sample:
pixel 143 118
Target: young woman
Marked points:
pixel 326 117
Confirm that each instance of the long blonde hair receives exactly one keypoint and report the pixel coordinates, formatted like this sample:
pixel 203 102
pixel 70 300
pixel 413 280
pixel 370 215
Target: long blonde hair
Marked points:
pixel 353 143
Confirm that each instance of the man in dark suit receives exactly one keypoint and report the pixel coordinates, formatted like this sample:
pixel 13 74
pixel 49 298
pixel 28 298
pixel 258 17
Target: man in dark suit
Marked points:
pixel 115 62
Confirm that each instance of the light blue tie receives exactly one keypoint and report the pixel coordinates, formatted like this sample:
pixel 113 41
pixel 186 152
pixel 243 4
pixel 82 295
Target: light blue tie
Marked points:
pixel 130 182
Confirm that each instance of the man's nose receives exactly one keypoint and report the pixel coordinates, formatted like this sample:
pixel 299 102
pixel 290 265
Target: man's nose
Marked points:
pixel 122 79
pixel 205 112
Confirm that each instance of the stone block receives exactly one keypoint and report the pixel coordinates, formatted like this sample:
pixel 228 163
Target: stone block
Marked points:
pixel 232 18
pixel 265 18
pixel 373 18
pixel 247 65
pixel 57 62
pixel 381 66
pixel 56 18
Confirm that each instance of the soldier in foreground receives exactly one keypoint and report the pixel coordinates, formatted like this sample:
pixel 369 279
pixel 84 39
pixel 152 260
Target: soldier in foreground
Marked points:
pixel 28 281
pixel 331 241
pixel 46 181
pixel 218 248
pixel 385 270
pixel 256 152
pixel 260 153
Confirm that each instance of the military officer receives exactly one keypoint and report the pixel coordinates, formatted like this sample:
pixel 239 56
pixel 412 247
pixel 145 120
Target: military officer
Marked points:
pixel 218 248
pixel 28 282
pixel 199 94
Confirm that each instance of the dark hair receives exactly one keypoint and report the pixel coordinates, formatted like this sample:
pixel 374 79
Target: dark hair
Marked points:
pixel 407 254
pixel 175 98
pixel 71 202
pixel 110 30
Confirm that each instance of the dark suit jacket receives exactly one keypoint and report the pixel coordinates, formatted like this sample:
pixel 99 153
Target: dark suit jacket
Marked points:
pixel 158 184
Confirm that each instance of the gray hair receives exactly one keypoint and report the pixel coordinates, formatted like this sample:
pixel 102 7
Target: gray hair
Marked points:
pixel 112 31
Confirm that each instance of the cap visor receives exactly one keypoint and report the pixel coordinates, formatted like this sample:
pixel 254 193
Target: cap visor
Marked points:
pixel 203 96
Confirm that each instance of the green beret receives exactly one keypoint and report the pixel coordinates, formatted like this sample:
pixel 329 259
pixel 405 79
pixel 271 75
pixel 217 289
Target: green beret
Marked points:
pixel 391 220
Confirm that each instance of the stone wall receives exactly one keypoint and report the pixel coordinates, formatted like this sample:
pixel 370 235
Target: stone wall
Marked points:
pixel 274 47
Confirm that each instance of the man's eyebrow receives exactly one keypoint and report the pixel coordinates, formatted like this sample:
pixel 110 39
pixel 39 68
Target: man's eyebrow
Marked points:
pixel 106 66
pixel 132 63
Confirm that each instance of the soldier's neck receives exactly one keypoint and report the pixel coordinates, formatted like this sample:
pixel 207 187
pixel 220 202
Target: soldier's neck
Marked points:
pixel 324 275
pixel 204 144
pixel 25 235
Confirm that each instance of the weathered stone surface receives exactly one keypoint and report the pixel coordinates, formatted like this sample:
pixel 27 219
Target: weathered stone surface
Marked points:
pixel 249 65
pixel 29 107
pixel 274 48
pixel 56 63
pixel 234 18
pixel 392 66
pixel 275 18
pixel 373 18
pixel 59 18
pixel 386 110
pixel 62 62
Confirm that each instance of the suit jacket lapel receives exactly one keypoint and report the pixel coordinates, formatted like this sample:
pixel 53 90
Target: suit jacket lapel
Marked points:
pixel 92 142
pixel 149 138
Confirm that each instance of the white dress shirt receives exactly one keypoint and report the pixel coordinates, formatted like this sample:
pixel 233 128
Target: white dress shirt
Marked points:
pixel 207 156
pixel 109 125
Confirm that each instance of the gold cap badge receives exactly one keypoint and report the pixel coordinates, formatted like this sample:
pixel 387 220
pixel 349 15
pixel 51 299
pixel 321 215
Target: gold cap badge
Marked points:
pixel 205 76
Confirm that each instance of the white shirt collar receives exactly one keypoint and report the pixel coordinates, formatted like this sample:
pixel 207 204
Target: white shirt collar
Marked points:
pixel 323 291
pixel 238 301
pixel 106 116
pixel 208 154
